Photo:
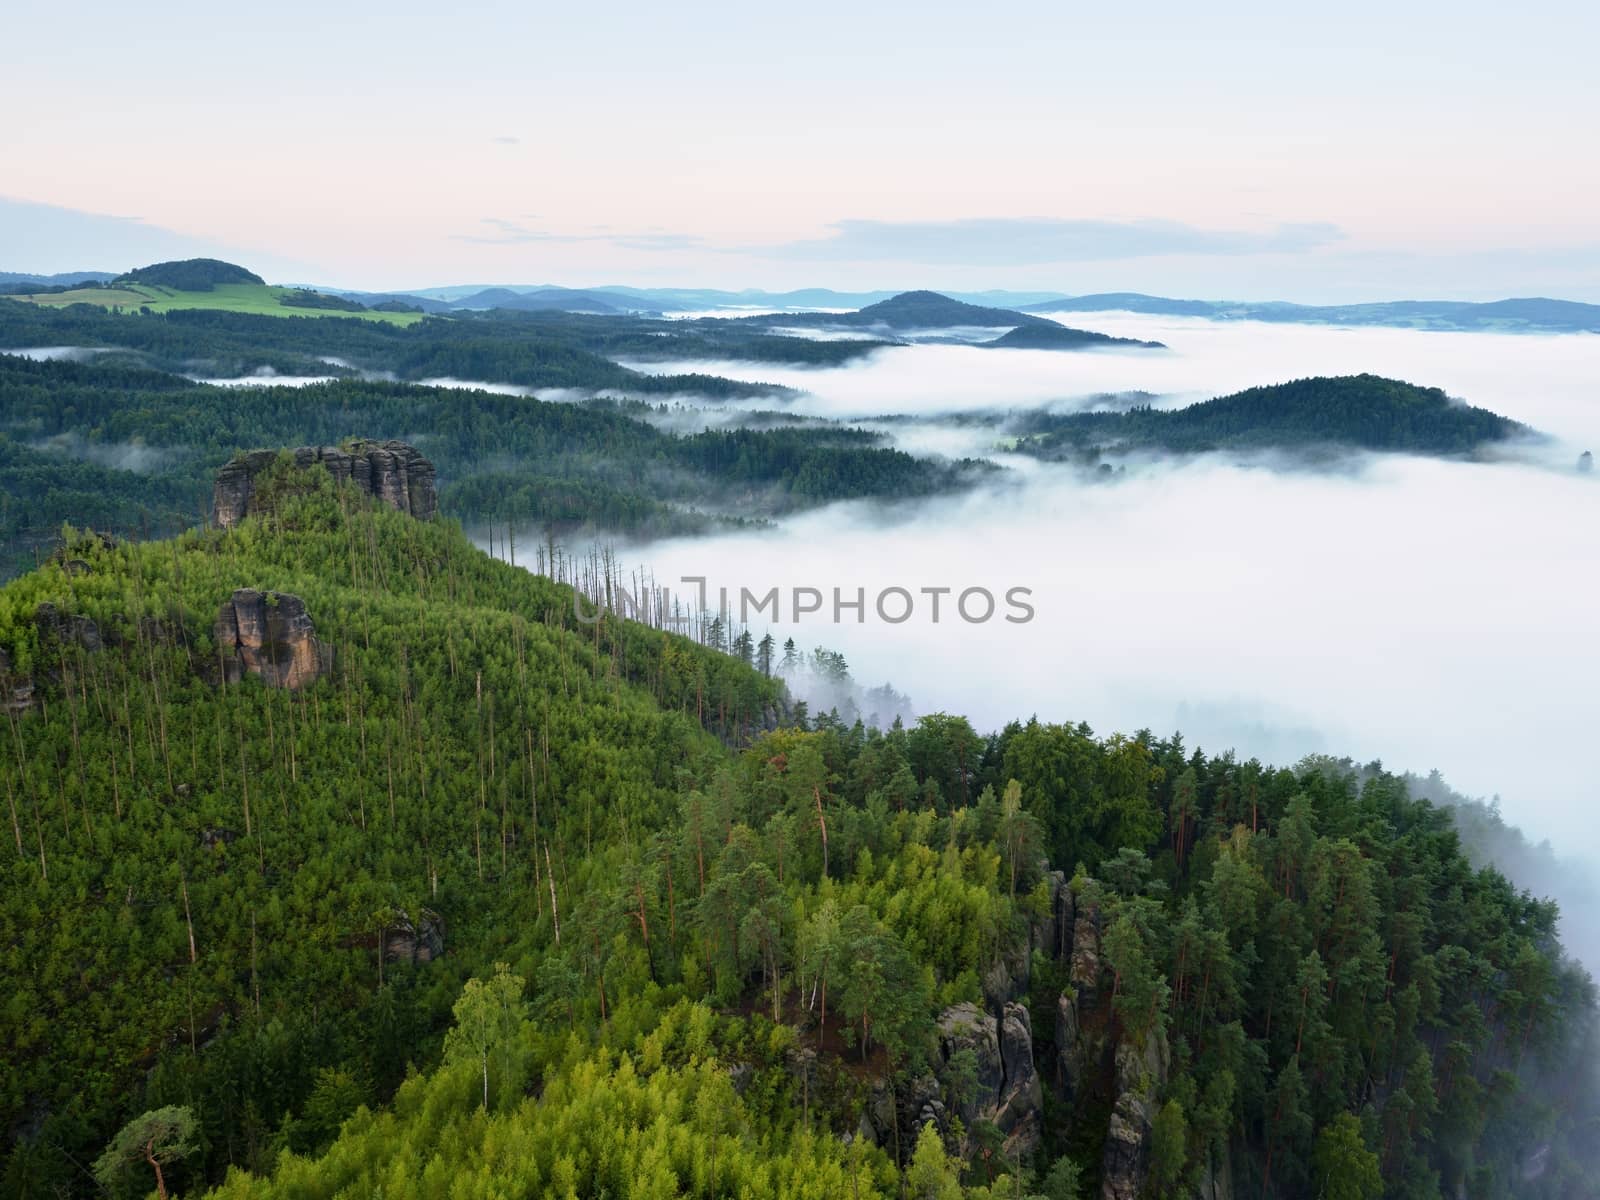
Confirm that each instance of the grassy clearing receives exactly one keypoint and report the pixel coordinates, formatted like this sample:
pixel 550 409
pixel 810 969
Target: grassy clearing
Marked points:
pixel 256 298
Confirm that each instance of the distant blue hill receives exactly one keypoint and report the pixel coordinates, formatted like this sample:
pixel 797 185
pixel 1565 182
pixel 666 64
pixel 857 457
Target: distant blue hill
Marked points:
pixel 62 279
pixel 1530 315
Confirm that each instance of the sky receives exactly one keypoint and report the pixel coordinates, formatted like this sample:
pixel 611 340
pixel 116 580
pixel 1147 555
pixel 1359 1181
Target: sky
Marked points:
pixel 1240 149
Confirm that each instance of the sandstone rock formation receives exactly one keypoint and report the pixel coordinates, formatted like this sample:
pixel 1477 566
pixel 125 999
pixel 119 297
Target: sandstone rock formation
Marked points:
pixel 965 1028
pixel 1007 977
pixel 1021 1105
pixel 66 629
pixel 270 635
pixel 419 942
pixel 1085 950
pixel 392 471
pixel 1140 1073
pixel 16 691
pixel 1003 1086
pixel 1052 934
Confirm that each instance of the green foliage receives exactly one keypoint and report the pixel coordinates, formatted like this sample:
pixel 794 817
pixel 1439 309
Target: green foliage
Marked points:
pixel 1169 1134
pixel 190 274
pixel 306 916
pixel 135 451
pixel 653 1122
pixel 1345 1168
pixel 488 1015
pixel 1064 1182
pixel 930 1175
pixel 160 1137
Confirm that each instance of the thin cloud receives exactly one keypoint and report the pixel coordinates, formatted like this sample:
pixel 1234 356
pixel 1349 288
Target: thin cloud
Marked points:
pixel 50 237
pixel 507 233
pixel 1007 241
pixel 506 141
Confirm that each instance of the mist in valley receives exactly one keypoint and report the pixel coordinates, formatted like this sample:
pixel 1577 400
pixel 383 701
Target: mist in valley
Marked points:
pixel 1425 613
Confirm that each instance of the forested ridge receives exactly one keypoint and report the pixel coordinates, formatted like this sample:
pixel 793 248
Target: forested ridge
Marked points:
pixel 1366 412
pixel 135 450
pixel 526 349
pixel 745 951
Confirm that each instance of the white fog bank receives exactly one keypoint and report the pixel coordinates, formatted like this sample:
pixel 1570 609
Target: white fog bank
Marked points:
pixel 1426 613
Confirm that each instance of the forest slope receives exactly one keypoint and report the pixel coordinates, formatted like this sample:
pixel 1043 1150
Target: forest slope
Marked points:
pixel 742 937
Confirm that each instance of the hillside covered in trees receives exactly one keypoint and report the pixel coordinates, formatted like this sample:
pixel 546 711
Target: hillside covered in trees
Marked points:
pixel 190 274
pixel 522 349
pixel 923 311
pixel 1364 412
pixel 346 860
pixel 132 450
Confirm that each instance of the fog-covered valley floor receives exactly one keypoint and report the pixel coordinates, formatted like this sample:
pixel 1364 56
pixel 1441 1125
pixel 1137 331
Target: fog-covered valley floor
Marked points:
pixel 1428 613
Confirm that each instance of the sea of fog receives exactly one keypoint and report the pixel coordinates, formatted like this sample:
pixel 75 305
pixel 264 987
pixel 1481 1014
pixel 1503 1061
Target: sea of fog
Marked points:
pixel 1425 613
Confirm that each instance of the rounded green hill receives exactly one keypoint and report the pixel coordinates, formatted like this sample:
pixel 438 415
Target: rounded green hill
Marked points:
pixel 191 274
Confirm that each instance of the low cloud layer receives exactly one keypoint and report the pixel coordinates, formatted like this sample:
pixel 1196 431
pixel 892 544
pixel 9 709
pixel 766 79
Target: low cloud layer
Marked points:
pixel 1426 613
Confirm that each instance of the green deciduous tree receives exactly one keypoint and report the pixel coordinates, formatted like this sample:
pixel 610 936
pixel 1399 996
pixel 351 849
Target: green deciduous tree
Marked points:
pixel 1345 1169
pixel 488 1016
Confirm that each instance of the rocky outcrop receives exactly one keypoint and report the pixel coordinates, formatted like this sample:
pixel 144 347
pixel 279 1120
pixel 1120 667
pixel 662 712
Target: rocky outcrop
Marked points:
pixel 1082 1044
pixel 878 1116
pixel 923 1104
pixel 69 557
pixel 218 838
pixel 1021 1108
pixel 269 635
pixel 1141 1071
pixel 1052 934
pixel 418 942
pixel 967 1029
pixel 393 472
pixel 1585 462
pixel 66 629
pixel 986 1066
pixel 1070 1057
pixel 1007 976
pixel 1084 970
pixel 16 690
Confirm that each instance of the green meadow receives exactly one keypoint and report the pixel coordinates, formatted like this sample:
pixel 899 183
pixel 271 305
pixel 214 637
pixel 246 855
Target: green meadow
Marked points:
pixel 257 298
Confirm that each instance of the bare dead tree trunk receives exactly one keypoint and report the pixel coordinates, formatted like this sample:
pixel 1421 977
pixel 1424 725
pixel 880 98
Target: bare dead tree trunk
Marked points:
pixel 187 919
pixel 555 913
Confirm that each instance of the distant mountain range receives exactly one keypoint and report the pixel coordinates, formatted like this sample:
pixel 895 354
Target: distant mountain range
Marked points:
pixel 1522 315
pixel 1525 315
pixel 62 279
pixel 1531 315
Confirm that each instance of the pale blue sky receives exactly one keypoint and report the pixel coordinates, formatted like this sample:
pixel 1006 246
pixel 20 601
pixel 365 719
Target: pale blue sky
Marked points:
pixel 1237 149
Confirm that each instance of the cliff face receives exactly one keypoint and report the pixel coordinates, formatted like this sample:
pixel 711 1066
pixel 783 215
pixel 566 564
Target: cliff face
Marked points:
pixel 1141 1071
pixel 986 1070
pixel 269 635
pixel 419 942
pixel 394 472
pixel 1004 1087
